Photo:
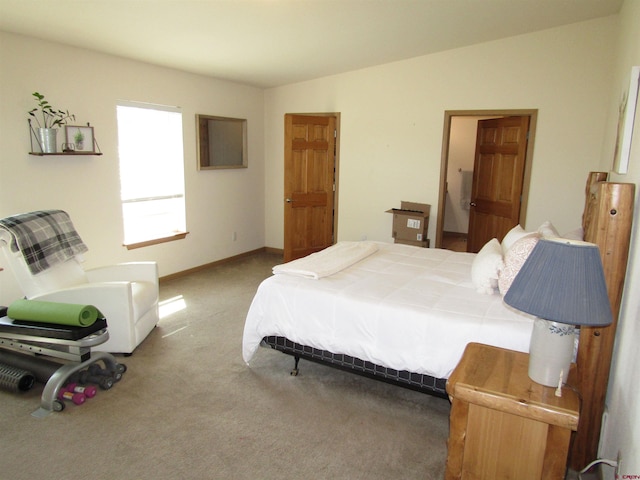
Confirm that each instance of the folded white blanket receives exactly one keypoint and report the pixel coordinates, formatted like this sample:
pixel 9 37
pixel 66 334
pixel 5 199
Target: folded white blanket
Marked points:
pixel 328 261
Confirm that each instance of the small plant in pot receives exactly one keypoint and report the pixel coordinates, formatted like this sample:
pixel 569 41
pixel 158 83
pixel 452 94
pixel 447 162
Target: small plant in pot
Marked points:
pixel 47 119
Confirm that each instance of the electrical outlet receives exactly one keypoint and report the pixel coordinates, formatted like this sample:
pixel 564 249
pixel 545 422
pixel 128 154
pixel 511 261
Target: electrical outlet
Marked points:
pixel 234 236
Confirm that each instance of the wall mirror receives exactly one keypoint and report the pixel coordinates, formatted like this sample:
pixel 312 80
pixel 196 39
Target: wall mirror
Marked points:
pixel 222 142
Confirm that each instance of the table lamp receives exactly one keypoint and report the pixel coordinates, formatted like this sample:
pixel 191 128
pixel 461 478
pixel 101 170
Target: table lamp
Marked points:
pixel 561 283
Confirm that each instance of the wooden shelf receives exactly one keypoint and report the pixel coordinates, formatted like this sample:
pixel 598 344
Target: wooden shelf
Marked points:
pixel 41 154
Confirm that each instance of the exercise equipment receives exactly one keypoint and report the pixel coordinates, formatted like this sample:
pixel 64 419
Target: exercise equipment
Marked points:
pixel 76 398
pixel 116 374
pixel 41 368
pixel 14 379
pixel 53 312
pixel 89 391
pixel 24 343
pixel 84 377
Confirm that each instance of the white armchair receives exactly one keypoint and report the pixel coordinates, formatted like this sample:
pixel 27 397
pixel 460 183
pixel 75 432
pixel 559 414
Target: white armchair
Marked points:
pixel 126 294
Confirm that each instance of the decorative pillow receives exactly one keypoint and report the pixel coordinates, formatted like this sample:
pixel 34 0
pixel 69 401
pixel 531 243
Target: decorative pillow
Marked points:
pixel 513 261
pixel 512 236
pixel 547 230
pixel 485 267
pixel 576 234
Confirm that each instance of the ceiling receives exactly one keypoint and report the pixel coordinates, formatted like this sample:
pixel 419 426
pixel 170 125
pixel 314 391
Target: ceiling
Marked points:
pixel 268 43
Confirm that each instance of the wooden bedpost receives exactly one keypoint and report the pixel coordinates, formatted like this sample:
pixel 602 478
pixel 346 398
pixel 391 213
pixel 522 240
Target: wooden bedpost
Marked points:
pixel 592 179
pixel 607 222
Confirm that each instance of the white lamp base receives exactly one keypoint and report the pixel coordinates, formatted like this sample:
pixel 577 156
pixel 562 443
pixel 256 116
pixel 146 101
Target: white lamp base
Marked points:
pixel 550 352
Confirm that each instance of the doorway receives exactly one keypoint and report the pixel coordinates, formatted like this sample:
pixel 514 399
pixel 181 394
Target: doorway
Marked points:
pixel 456 172
pixel 311 156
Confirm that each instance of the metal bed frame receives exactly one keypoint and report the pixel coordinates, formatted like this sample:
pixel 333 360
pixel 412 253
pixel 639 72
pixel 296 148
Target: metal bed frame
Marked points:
pixel 413 381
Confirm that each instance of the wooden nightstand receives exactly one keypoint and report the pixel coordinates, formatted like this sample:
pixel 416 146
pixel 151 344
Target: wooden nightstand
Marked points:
pixel 503 425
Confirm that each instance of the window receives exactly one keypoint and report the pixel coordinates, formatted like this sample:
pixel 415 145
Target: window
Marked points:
pixel 151 173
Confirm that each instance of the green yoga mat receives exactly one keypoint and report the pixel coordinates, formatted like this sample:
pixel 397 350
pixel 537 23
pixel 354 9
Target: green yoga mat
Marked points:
pixel 53 312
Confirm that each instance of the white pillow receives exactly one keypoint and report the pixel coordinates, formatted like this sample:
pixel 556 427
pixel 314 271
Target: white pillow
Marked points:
pixel 575 234
pixel 514 259
pixel 485 267
pixel 547 230
pixel 512 236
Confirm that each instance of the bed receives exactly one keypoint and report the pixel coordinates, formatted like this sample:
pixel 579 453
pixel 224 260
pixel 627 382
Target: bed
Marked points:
pixel 405 314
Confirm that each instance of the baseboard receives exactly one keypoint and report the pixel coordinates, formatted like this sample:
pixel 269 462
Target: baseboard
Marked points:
pixel 183 273
pixel 277 251
pixel 455 234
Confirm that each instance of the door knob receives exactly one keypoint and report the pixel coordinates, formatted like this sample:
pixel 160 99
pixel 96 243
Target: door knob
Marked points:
pixel 288 200
pixel 473 204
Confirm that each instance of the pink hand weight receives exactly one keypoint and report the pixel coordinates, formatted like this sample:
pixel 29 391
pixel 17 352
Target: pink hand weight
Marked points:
pixel 89 391
pixel 77 398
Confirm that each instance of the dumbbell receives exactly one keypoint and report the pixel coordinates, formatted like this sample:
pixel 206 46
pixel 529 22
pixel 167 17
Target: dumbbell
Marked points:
pixel 104 382
pixel 77 398
pixel 95 369
pixel 89 391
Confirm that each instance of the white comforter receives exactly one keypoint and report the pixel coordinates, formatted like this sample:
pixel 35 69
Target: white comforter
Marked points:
pixel 402 307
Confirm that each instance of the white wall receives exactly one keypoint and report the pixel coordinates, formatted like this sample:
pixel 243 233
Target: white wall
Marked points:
pixel 88 84
pixel 622 432
pixel 392 123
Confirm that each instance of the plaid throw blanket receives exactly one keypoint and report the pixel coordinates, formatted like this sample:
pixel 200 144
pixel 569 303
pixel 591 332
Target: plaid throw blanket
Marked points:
pixel 45 238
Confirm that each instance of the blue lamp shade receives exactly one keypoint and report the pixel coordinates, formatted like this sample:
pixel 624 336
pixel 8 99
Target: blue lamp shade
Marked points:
pixel 562 281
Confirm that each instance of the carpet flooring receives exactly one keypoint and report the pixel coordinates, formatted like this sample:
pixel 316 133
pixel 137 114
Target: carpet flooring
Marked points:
pixel 188 407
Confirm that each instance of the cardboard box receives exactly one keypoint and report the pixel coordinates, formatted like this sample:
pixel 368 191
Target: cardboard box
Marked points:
pixel 423 244
pixel 411 223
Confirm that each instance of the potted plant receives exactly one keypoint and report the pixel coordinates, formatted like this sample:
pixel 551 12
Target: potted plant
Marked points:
pixel 47 119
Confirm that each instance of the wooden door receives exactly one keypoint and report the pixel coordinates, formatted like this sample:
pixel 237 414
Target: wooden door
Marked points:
pixel 309 173
pixel 498 172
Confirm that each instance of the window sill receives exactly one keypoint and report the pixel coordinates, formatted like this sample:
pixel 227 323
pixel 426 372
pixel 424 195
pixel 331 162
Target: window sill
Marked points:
pixel 156 241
